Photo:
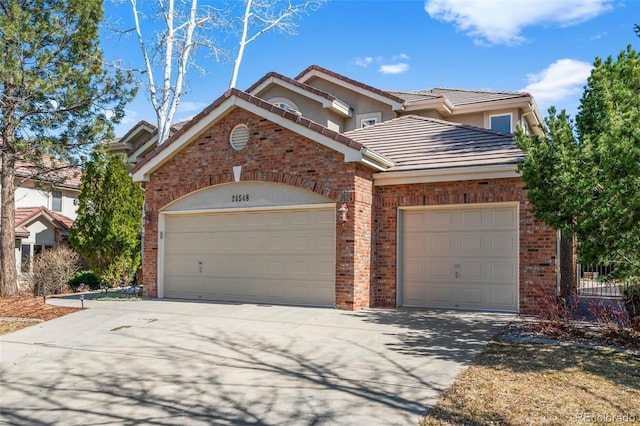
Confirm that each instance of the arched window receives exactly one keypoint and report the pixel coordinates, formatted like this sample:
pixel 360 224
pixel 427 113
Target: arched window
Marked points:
pixel 285 103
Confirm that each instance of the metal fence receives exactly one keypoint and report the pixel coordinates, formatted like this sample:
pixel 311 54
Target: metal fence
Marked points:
pixel 599 281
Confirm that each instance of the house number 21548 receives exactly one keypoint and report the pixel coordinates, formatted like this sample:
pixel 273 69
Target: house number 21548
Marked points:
pixel 239 198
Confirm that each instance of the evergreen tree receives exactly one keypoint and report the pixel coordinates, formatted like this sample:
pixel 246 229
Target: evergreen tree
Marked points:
pixel 585 178
pixel 107 230
pixel 56 96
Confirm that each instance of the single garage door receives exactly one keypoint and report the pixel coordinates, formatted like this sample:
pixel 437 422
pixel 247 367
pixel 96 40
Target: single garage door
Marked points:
pixel 464 257
pixel 282 256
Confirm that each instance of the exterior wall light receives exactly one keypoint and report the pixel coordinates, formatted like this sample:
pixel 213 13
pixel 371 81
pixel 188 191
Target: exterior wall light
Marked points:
pixel 342 216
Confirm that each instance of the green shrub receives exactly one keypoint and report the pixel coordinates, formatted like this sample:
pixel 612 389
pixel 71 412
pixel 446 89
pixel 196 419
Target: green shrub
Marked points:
pixel 87 278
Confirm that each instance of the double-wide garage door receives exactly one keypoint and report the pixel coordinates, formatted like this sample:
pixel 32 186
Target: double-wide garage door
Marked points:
pixel 284 256
pixel 463 257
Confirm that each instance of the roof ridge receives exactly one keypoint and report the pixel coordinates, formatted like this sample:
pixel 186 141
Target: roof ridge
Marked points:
pixel 350 81
pixel 459 89
pixel 295 82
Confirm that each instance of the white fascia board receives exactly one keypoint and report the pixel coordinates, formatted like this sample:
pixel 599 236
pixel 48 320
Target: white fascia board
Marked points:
pixel 396 106
pixel 142 149
pixel 139 129
pixel 337 106
pixel 382 162
pixel 442 105
pixel 493 105
pixel 501 171
pixel 142 175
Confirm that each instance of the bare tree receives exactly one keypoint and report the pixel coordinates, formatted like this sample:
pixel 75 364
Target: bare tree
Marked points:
pixel 261 16
pixel 188 26
pixel 171 52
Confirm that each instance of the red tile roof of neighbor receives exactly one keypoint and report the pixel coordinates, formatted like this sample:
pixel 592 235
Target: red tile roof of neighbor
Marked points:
pixel 25 214
pixel 63 174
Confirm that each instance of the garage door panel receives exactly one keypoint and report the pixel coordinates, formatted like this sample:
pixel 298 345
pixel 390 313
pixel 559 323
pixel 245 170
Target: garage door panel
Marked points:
pixel 441 295
pixel 472 219
pixel 504 218
pixel 439 270
pixel 473 271
pixel 503 242
pixel 470 296
pixel 503 272
pixel 273 256
pixel 438 243
pixel 472 243
pixel 462 257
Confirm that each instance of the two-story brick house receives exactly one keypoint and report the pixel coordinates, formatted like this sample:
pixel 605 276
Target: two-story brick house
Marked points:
pixel 321 190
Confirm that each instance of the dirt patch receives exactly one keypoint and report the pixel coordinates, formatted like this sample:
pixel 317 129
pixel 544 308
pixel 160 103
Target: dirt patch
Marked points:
pixel 14 310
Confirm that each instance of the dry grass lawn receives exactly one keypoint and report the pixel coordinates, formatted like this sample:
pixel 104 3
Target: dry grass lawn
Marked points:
pixel 535 384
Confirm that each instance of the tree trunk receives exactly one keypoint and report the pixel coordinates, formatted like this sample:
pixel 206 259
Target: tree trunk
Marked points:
pixel 8 276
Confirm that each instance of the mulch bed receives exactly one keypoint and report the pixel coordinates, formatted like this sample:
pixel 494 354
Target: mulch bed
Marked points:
pixel 31 307
pixel 575 332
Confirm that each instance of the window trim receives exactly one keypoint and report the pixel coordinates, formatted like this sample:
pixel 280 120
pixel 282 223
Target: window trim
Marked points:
pixel 502 115
pixel 285 103
pixel 54 198
pixel 361 119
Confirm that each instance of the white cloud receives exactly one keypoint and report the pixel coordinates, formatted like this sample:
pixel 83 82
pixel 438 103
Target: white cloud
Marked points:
pixel 560 81
pixel 502 21
pixel 398 68
pixel 364 62
pixel 402 56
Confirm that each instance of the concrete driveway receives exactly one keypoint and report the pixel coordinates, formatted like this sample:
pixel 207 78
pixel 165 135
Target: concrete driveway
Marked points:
pixel 188 363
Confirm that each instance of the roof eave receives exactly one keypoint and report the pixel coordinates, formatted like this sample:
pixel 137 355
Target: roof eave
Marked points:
pixel 522 102
pixel 495 171
pixel 314 72
pixel 351 150
pixel 333 104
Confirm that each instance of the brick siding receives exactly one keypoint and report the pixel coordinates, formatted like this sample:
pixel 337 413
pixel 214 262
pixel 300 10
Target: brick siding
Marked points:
pixel 273 154
pixel 366 243
pixel 537 241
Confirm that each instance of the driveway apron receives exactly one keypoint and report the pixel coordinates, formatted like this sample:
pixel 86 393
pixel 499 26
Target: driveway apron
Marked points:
pixel 164 362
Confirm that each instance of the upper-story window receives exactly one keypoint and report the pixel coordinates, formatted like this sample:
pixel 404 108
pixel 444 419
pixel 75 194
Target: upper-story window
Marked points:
pixel 368 119
pixel 501 123
pixel 366 122
pixel 56 201
pixel 285 103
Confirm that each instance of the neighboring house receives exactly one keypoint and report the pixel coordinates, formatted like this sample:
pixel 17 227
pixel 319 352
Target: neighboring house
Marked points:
pixel 321 190
pixel 46 205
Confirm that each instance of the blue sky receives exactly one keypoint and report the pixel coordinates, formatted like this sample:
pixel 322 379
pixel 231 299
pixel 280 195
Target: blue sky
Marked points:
pixel 545 47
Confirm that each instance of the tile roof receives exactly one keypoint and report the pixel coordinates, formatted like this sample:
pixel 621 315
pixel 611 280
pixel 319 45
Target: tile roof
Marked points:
pixel 296 83
pixel 416 143
pixel 267 106
pixel 25 214
pixel 386 94
pixel 53 170
pixel 457 96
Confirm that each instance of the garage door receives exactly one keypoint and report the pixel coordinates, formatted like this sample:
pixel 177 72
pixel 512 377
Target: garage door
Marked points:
pixel 464 257
pixel 268 256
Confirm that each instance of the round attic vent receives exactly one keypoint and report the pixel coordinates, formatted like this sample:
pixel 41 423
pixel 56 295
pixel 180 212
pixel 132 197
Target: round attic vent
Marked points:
pixel 239 137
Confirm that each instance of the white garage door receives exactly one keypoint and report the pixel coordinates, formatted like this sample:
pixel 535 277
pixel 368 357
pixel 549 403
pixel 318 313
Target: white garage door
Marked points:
pixel 464 257
pixel 274 256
